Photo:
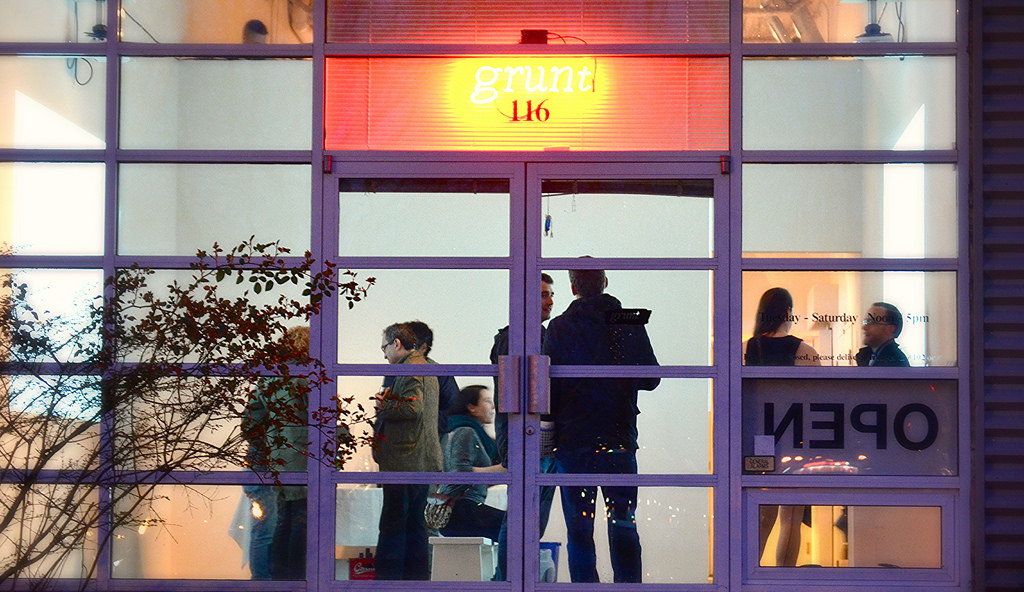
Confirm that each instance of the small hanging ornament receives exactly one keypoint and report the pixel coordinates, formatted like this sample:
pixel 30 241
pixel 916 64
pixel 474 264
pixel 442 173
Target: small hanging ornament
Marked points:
pixel 547 226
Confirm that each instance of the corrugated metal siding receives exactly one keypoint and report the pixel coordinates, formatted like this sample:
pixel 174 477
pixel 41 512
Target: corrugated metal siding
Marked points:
pixel 1002 259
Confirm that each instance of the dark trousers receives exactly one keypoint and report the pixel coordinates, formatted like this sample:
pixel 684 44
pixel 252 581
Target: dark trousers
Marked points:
pixel 547 496
pixel 470 519
pixel 578 506
pixel 403 550
pixel 288 558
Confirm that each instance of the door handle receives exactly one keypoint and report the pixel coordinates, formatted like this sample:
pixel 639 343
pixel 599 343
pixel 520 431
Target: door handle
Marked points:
pixel 539 384
pixel 508 384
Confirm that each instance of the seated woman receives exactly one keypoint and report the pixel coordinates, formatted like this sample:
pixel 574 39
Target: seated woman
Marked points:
pixel 468 448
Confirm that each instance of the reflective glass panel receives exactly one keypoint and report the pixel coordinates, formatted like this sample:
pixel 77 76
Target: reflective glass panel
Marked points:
pixel 362 418
pixel 559 21
pixel 850 536
pixel 246 310
pixel 52 208
pixel 177 209
pixel 465 549
pixel 852 427
pixel 202 416
pixel 55 524
pixel 665 429
pixel 890 103
pixel 463 307
pixel 849 21
pixel 51 20
pixel 850 210
pixel 186 103
pixel 49 421
pixel 217 21
pixel 60 308
pixel 635 218
pixel 209 532
pixel 673 525
pixel 843 317
pixel 653 301
pixel 452 217
pixel 52 102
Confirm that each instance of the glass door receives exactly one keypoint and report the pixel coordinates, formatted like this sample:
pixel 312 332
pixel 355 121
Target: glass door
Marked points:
pixel 603 384
pixel 444 246
pixel 619 439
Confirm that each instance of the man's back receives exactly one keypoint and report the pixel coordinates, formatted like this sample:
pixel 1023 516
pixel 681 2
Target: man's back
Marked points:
pixel 595 413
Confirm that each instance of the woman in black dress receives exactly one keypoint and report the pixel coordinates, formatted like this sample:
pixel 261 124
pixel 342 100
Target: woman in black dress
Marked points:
pixel 772 345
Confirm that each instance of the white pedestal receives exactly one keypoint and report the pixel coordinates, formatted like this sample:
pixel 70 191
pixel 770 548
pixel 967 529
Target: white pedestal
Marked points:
pixel 463 559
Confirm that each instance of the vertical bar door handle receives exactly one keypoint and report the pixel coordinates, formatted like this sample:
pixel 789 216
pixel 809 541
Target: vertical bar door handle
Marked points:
pixel 508 384
pixel 539 384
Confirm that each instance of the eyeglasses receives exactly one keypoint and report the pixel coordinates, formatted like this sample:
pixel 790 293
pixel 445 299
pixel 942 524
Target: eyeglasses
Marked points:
pixel 384 348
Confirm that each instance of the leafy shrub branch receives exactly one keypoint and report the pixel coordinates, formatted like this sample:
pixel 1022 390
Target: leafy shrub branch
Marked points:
pixel 147 386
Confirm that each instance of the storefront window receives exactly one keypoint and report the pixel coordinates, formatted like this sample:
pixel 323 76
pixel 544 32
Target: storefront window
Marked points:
pixel 849 21
pixel 171 531
pixel 217 21
pixel 52 208
pixel 177 209
pixel 446 154
pixel 46 511
pixel 850 210
pixel 849 103
pixel 853 428
pixel 453 217
pixel 850 536
pixel 600 218
pixel 839 313
pixel 52 102
pixel 210 104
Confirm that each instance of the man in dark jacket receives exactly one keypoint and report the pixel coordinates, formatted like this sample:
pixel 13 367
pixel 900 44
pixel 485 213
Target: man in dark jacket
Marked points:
pixel 547 463
pixel 595 421
pixel 882 325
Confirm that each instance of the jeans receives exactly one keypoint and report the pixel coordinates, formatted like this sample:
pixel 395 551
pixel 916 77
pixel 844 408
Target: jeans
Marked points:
pixel 578 506
pixel 547 496
pixel 261 536
pixel 288 557
pixel 403 550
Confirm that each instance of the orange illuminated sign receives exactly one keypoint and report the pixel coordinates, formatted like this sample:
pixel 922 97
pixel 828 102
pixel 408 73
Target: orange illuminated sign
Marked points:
pixel 527 102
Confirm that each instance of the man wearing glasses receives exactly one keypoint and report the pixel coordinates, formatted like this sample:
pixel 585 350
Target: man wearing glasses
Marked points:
pixel 882 325
pixel 405 439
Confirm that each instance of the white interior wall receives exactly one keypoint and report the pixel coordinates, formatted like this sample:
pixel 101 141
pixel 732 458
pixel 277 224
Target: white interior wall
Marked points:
pixel 895 89
pixel 806 104
pixel 804 210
